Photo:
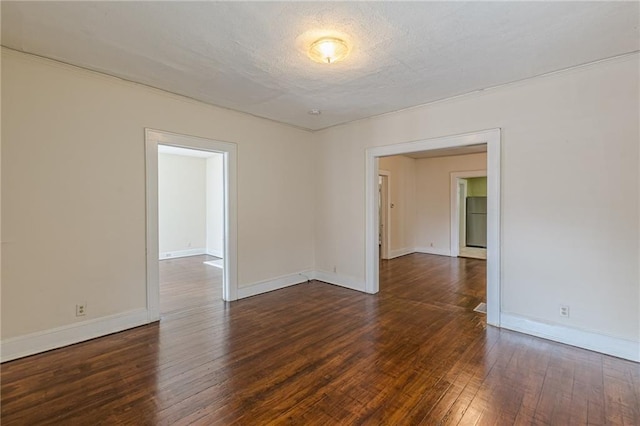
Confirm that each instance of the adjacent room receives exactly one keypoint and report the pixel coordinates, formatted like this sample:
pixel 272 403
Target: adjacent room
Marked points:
pixel 190 227
pixel 320 213
pixel 427 197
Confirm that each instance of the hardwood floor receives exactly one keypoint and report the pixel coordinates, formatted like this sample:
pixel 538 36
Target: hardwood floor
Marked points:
pixel 187 283
pixel 314 353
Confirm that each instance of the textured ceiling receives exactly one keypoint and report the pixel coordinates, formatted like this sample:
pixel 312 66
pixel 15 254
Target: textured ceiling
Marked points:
pixel 251 56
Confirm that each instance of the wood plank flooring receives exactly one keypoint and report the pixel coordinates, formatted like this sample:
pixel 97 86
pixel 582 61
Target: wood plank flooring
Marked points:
pixel 314 353
pixel 187 283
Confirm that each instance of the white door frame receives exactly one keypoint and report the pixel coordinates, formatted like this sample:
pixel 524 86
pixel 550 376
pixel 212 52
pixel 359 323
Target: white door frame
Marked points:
pixel 386 229
pixel 492 139
pixel 229 151
pixel 455 206
pixel 462 209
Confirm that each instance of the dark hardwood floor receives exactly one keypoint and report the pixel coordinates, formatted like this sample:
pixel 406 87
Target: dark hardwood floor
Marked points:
pixel 187 283
pixel 314 353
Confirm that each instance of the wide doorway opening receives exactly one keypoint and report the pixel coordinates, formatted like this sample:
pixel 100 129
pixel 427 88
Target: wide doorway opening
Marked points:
pixel 419 238
pixel 423 256
pixel 191 221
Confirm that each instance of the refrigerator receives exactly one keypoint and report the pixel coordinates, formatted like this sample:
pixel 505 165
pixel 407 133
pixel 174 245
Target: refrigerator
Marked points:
pixel 476 232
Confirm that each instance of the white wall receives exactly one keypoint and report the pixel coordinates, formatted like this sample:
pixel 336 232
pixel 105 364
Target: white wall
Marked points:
pixel 402 190
pixel 73 188
pixel 569 191
pixel 182 220
pixel 433 199
pixel 215 206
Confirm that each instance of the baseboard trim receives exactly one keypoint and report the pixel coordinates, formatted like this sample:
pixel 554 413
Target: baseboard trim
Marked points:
pixel 274 284
pixel 22 346
pixel 400 252
pixel 433 250
pixel 614 346
pixel 215 253
pixel 33 343
pixel 298 278
pixel 182 253
pixel 340 280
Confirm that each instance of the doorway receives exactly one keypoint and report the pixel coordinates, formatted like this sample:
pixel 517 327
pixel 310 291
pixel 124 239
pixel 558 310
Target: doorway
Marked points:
pixel 190 202
pixel 154 138
pixel 384 233
pixel 464 189
pixel 190 227
pixel 492 140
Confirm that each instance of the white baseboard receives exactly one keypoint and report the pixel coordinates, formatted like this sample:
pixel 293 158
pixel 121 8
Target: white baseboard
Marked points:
pixel 182 253
pixel 215 253
pixel 42 341
pixel 614 346
pixel 298 278
pixel 274 284
pixel 18 347
pixel 400 252
pixel 433 250
pixel 340 280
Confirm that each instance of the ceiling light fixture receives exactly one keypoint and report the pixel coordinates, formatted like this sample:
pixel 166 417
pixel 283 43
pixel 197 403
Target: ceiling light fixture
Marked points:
pixel 314 112
pixel 328 50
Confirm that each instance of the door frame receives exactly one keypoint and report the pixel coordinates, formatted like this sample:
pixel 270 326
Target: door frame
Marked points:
pixel 455 206
pixel 386 208
pixel 153 138
pixel 489 137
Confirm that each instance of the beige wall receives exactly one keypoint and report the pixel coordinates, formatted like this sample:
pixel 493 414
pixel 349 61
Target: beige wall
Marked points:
pixel 569 185
pixel 402 191
pixel 73 188
pixel 420 194
pixel 215 205
pixel 190 205
pixel 182 220
pixel 433 199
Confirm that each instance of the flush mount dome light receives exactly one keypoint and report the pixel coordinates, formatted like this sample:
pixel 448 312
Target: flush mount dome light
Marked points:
pixel 328 50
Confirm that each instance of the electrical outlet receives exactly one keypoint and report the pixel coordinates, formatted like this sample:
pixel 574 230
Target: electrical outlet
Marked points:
pixel 564 311
pixel 81 310
pixel 335 270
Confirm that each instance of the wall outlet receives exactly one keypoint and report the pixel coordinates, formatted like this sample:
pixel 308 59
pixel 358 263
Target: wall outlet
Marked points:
pixel 564 311
pixel 335 270
pixel 81 310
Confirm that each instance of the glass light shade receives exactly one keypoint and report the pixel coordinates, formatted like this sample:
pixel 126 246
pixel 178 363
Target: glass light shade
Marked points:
pixel 328 50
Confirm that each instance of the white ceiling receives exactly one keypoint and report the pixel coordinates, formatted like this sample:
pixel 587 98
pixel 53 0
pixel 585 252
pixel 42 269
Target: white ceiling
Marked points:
pixel 251 56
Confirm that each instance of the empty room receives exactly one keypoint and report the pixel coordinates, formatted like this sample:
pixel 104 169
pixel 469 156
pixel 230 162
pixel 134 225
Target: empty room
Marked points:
pixel 421 213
